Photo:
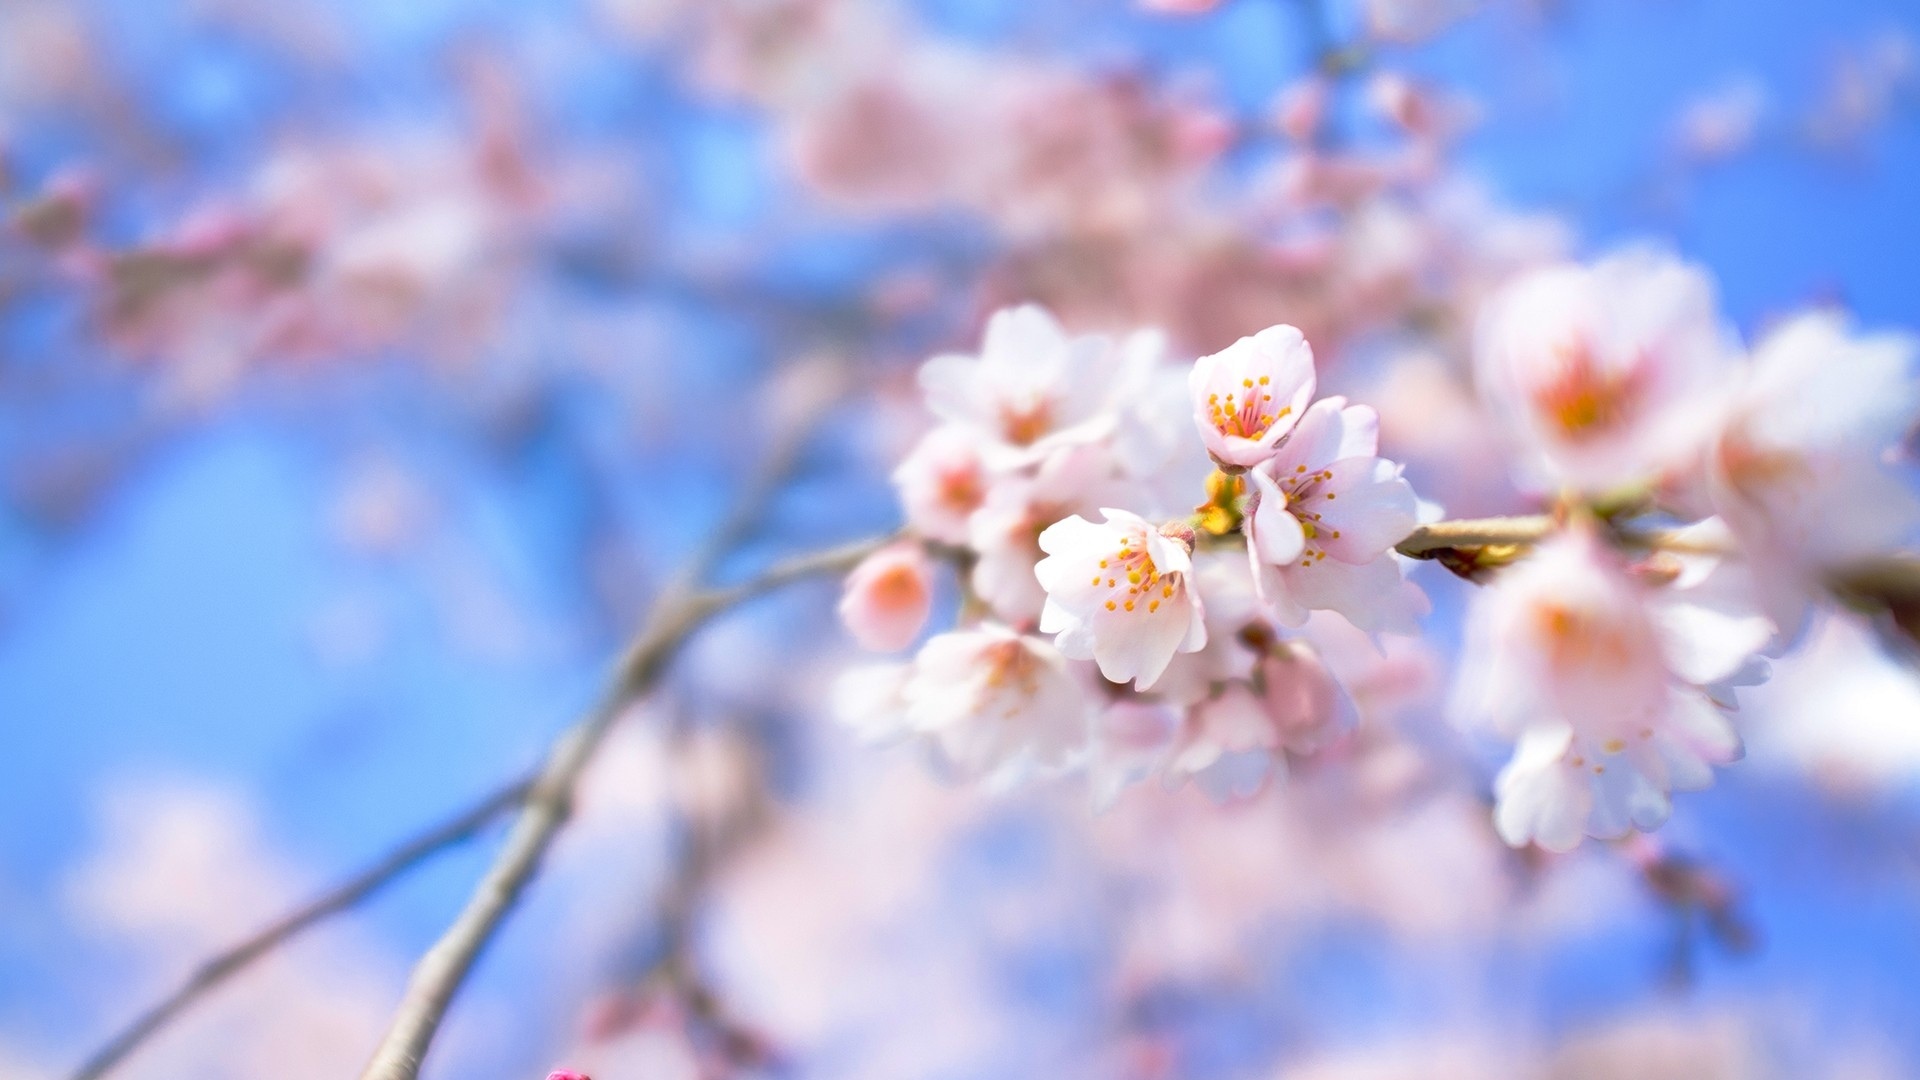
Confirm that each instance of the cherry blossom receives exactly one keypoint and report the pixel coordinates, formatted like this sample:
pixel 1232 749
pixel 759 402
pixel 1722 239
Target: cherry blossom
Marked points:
pixel 1600 372
pixel 1323 516
pixel 993 698
pixel 1802 469
pixel 1236 740
pixel 1118 594
pixel 1248 396
pixel 887 597
pixel 1031 389
pixel 1605 681
pixel 942 482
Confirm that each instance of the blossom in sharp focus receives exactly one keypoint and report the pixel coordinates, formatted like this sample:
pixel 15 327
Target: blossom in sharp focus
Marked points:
pixel 993 697
pixel 1323 516
pixel 1601 373
pixel 1031 389
pixel 1249 395
pixel 942 482
pixel 1800 471
pixel 885 601
pixel 1608 683
pixel 1118 594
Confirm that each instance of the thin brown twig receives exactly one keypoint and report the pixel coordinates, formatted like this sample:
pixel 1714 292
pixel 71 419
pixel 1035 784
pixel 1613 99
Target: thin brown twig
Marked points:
pixel 445 966
pixel 215 971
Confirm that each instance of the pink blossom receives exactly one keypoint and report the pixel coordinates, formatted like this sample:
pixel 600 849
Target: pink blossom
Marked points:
pixel 993 698
pixel 1800 472
pixel 1005 531
pixel 1248 396
pixel 1323 516
pixel 942 482
pixel 1235 741
pixel 1601 372
pixel 1118 594
pixel 1608 684
pixel 1030 390
pixel 887 597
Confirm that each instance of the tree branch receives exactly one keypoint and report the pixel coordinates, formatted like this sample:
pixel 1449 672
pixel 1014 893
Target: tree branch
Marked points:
pixel 218 969
pixel 445 966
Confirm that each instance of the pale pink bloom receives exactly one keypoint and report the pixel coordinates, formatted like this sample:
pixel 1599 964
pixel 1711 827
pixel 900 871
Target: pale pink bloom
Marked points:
pixel 1607 683
pixel 1602 373
pixel 1800 471
pixel 1031 389
pixel 1180 7
pixel 1249 395
pixel 1323 515
pixel 942 482
pixel 890 140
pixel 995 699
pixel 886 599
pixel 1233 743
pixel 1005 532
pixel 1118 594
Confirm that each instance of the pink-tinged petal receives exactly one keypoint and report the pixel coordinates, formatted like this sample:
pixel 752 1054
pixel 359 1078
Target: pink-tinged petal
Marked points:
pixel 1365 508
pixel 887 597
pixel 1307 705
pixel 951 389
pixel 1138 645
pixel 943 482
pixel 1373 596
pixel 1314 441
pixel 1273 535
pixel 1248 396
pixel 1539 799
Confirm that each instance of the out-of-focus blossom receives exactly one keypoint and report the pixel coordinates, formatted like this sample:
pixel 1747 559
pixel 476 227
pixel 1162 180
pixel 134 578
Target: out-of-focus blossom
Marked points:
pixel 1248 396
pixel 994 698
pixel 1607 683
pixel 1005 532
pixel 942 482
pixel 1326 494
pixel 887 597
pixel 1802 470
pixel 1118 594
pixel 1031 389
pixel 1601 372
pixel 1233 742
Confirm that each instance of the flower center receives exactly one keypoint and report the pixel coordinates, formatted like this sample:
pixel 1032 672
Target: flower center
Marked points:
pixel 1583 400
pixel 1133 581
pixel 960 489
pixel 1248 412
pixel 1303 488
pixel 1023 424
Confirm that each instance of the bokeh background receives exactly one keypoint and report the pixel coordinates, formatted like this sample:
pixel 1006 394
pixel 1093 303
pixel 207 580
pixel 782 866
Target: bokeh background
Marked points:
pixel 366 368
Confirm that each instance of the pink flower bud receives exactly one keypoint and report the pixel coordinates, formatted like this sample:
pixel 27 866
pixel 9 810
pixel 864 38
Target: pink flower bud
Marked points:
pixel 567 1074
pixel 887 597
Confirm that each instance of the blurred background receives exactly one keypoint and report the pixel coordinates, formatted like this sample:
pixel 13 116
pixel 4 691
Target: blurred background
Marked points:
pixel 366 369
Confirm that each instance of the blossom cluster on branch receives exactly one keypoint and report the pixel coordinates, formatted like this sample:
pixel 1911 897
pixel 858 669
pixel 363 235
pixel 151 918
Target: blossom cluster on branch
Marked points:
pixel 1137 540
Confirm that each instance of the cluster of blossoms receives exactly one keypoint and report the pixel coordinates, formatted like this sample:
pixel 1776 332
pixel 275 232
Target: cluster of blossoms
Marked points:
pixel 1704 502
pixel 1713 500
pixel 1144 639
